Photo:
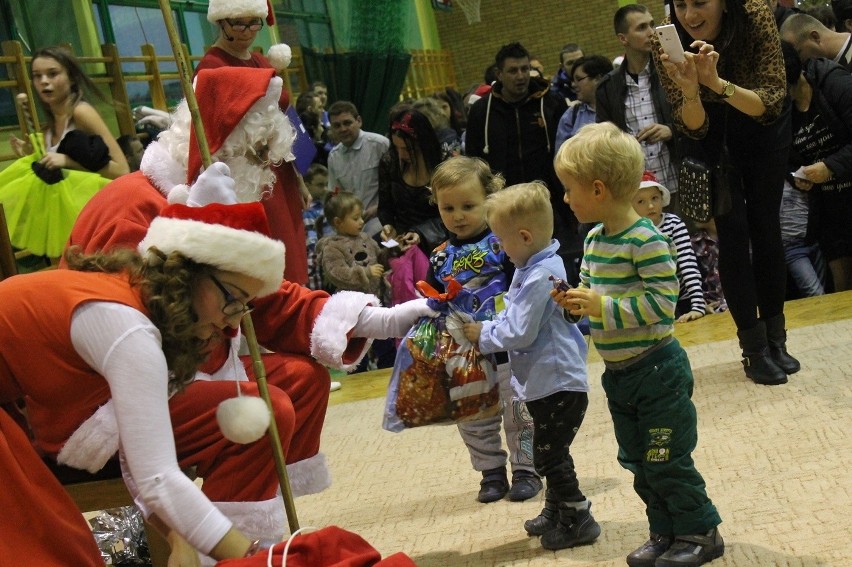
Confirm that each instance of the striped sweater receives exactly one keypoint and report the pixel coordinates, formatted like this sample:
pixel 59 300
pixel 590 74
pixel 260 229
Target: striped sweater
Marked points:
pixel 688 274
pixel 634 273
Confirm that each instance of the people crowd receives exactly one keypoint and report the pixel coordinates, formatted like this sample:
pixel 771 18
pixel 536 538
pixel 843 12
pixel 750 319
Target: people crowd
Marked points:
pixel 377 212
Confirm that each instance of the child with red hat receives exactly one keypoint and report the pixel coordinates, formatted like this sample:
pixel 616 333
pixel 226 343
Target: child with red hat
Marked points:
pixel 649 202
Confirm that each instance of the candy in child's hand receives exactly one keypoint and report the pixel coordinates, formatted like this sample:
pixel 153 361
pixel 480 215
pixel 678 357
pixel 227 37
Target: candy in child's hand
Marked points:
pixel 560 284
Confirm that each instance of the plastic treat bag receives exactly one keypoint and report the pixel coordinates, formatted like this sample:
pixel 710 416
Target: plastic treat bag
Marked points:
pixel 439 377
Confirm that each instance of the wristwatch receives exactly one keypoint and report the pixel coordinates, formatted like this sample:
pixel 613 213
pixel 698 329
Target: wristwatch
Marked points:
pixel 728 89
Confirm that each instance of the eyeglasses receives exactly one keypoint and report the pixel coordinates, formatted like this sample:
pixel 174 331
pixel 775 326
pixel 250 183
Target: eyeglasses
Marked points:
pixel 233 306
pixel 254 25
pixel 580 79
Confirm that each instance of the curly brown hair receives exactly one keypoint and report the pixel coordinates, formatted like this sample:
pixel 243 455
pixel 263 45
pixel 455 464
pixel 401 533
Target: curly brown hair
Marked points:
pixel 166 283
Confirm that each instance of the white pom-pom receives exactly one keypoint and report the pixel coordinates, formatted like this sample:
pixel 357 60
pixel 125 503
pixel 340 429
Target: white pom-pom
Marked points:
pixel 178 194
pixel 243 419
pixel 279 56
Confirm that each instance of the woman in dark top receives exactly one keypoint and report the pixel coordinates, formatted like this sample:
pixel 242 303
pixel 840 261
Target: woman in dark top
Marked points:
pixel 822 146
pixel 732 85
pixel 406 210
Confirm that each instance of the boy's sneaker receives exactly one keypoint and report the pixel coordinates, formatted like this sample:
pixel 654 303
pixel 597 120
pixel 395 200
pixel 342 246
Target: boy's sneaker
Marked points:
pixel 693 550
pixel 494 485
pixel 647 554
pixel 525 485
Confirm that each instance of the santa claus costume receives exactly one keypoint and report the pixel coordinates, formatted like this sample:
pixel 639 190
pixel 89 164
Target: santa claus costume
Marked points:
pixel 41 524
pixel 90 355
pixel 285 203
pixel 306 330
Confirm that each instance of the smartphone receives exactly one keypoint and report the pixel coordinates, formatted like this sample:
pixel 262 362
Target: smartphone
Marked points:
pixel 671 43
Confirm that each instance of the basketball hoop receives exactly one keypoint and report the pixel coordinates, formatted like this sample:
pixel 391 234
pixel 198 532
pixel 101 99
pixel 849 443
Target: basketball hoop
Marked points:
pixel 470 9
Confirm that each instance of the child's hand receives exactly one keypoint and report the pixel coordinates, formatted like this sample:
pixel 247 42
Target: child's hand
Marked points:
pixel 54 160
pixel 691 316
pixel 582 301
pixel 376 270
pixel 472 331
pixel 20 147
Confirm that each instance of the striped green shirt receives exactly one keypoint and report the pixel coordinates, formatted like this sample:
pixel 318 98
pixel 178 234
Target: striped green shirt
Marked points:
pixel 635 274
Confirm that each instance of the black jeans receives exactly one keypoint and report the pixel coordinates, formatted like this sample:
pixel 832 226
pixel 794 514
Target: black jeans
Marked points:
pixel 751 256
pixel 556 420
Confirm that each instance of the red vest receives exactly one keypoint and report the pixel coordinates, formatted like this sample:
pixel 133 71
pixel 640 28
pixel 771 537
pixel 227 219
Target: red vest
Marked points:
pixel 37 358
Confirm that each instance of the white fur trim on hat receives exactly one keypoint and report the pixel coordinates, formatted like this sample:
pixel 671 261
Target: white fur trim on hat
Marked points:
pixel 667 196
pixel 224 9
pixel 330 342
pixel 230 249
pixel 279 56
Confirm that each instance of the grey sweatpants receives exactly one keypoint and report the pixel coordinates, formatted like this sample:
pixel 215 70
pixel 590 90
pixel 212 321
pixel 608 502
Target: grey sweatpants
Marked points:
pixel 483 439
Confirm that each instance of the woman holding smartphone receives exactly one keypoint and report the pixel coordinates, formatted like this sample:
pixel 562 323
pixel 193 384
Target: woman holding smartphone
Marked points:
pixel 732 85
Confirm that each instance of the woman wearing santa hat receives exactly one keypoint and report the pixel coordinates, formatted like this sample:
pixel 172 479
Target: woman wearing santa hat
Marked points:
pixel 101 352
pixel 238 22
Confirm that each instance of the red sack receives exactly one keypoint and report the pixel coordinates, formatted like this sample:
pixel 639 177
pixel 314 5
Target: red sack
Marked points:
pixel 328 547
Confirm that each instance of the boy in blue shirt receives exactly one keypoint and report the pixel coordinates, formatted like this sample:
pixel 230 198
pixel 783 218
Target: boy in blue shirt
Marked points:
pixel 547 357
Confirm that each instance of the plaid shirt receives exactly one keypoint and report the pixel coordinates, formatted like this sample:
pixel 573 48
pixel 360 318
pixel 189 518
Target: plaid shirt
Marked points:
pixel 310 217
pixel 640 114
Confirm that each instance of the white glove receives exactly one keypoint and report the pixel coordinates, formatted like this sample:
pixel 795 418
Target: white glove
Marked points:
pixel 386 322
pixel 214 185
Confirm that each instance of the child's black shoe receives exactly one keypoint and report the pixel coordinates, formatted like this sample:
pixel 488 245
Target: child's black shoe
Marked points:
pixel 548 519
pixel 693 550
pixel 493 486
pixel 525 485
pixel 647 554
pixel 576 527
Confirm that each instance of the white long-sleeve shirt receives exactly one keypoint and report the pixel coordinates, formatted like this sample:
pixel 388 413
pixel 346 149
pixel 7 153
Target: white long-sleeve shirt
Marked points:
pixel 125 347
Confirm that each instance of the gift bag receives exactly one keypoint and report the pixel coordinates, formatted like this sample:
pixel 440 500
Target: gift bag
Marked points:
pixel 439 377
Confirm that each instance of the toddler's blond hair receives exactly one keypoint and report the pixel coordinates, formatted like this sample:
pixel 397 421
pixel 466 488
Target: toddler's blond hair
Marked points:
pixel 603 152
pixel 458 169
pixel 525 205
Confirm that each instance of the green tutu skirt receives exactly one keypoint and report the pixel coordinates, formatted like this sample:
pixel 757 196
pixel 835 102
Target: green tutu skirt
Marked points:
pixel 40 216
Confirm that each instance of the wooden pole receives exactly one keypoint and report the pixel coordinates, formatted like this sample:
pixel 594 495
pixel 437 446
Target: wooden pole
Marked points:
pixel 247 324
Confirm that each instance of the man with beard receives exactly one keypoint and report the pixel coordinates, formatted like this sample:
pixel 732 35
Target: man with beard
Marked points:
pixel 307 330
pixel 513 128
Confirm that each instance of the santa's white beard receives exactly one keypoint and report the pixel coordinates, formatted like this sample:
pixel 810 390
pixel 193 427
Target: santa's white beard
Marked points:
pixel 253 182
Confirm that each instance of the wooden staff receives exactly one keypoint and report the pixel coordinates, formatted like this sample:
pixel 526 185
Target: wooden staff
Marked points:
pixel 29 124
pixel 248 326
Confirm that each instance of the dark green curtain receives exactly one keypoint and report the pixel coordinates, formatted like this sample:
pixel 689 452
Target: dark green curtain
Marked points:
pixel 372 81
pixel 369 62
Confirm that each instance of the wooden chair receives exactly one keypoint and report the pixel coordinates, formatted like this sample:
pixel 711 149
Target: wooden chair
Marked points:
pixel 106 488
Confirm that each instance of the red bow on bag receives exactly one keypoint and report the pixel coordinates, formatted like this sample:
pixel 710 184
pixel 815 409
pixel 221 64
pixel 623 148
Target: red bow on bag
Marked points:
pixel 453 289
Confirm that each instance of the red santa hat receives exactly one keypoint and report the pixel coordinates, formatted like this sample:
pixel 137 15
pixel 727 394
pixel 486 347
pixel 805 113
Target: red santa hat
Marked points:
pixel 224 9
pixel 225 95
pixel 650 180
pixel 232 237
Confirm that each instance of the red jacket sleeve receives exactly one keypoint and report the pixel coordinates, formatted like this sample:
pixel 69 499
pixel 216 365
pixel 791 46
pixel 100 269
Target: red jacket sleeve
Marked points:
pixel 285 319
